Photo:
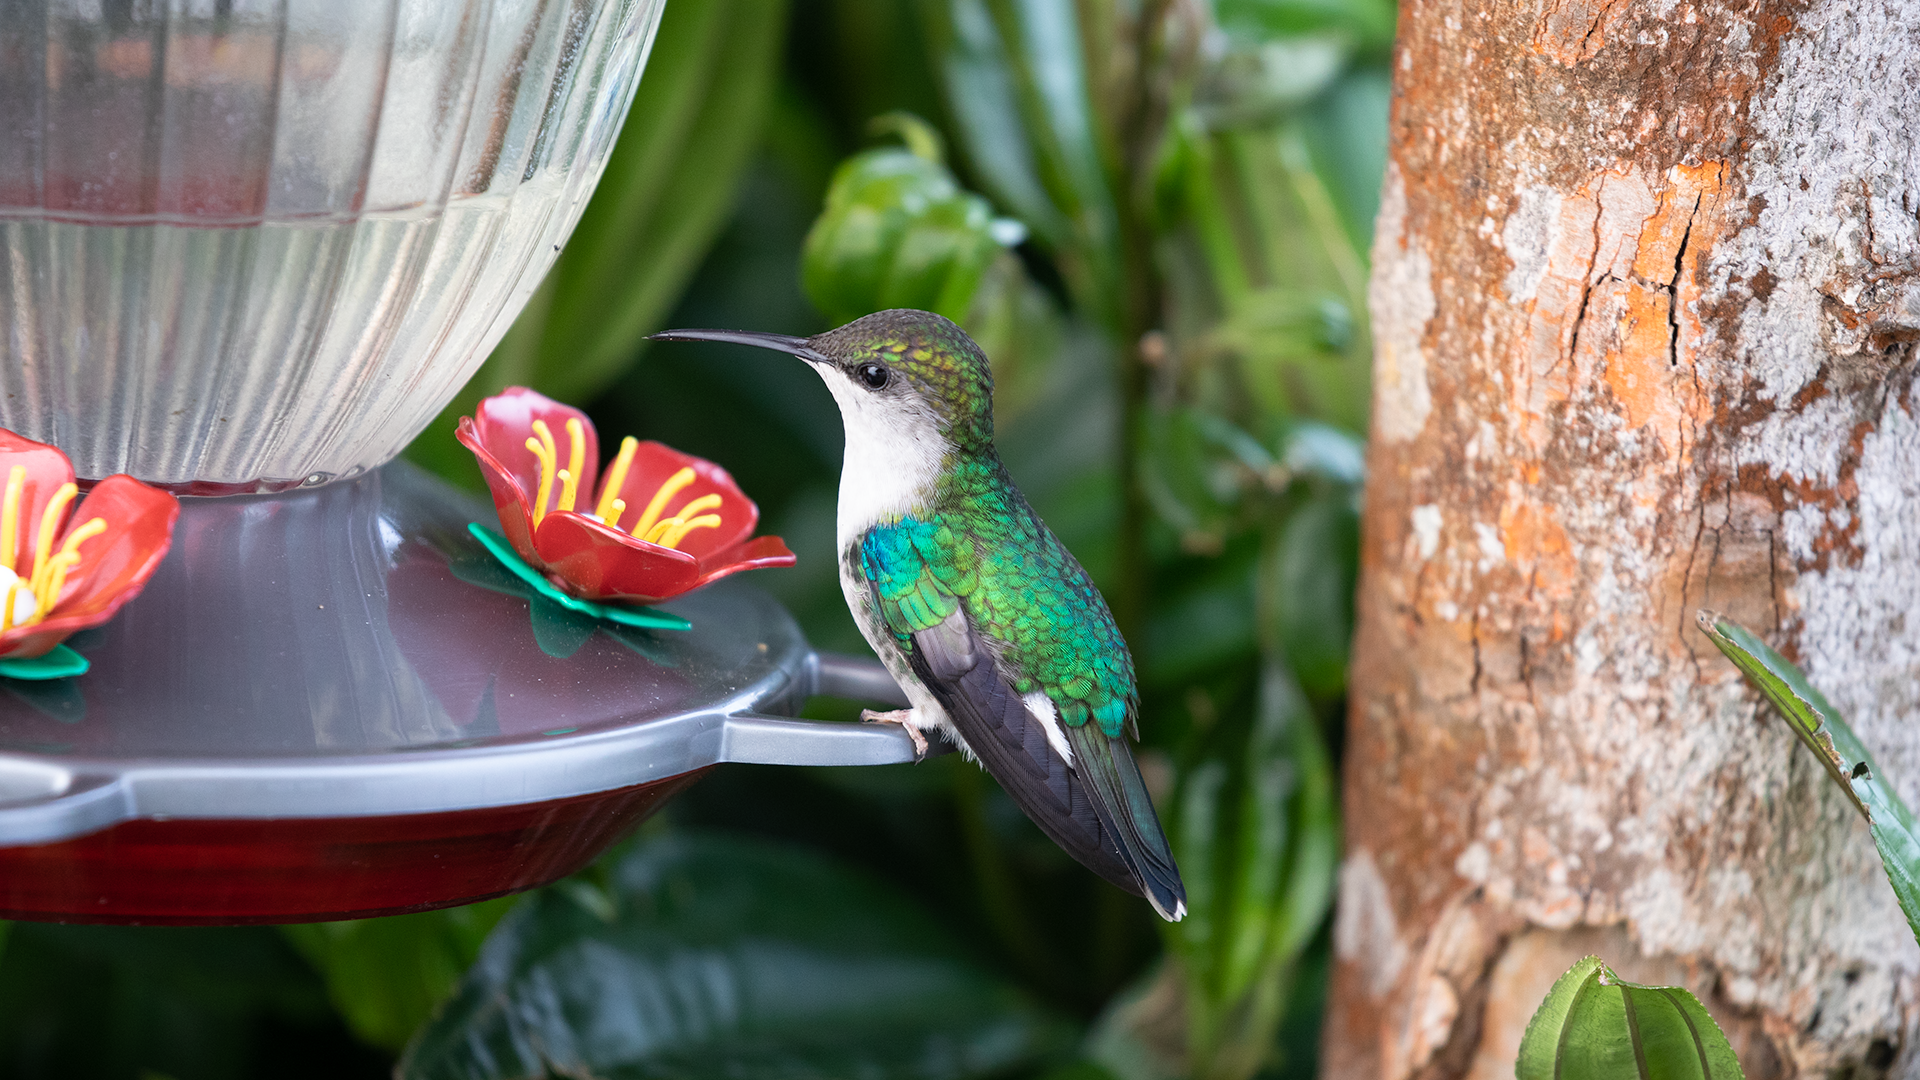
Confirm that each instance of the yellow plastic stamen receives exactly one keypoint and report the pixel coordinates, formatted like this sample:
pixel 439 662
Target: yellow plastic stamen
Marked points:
pixel 13 599
pixel 610 504
pixel 43 548
pixel 10 519
pixel 576 461
pixel 543 449
pixel 704 502
pixel 57 567
pixel 644 527
pixel 670 532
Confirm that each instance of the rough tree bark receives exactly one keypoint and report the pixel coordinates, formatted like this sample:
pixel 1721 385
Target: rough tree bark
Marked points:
pixel 1646 295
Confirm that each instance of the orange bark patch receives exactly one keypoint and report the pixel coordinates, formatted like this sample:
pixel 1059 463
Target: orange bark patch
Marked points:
pixel 1572 31
pixel 1649 366
pixel 1537 545
pixel 1641 369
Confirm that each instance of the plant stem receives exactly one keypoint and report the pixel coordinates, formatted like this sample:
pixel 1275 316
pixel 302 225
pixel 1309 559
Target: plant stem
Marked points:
pixel 1142 117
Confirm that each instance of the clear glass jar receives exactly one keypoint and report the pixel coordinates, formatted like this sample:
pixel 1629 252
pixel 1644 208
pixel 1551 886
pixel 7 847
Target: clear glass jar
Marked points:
pixel 252 244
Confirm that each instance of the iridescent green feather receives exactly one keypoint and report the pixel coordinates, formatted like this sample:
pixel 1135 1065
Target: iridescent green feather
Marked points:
pixel 980 545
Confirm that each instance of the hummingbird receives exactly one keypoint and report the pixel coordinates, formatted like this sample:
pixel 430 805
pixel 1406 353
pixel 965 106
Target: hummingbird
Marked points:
pixel 1001 641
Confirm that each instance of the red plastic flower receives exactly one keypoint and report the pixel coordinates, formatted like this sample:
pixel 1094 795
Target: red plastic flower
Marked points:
pixel 62 572
pixel 662 522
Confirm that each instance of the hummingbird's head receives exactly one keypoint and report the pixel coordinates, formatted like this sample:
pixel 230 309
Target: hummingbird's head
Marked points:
pixel 900 375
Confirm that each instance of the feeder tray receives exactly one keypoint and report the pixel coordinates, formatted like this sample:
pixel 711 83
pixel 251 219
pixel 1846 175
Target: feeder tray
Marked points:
pixel 313 711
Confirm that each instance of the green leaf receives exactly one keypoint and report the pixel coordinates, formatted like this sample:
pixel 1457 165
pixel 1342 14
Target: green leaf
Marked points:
pixel 1257 838
pixel 1370 22
pixel 1195 467
pixel 1290 281
pixel 1821 729
pixel 1016 83
pixel 558 631
pixel 667 190
pixel 728 957
pixel 386 975
pixel 898 232
pixel 1346 132
pixel 59 662
pixel 1207 622
pixel 1593 1026
pixel 980 92
pixel 205 1003
pixel 1307 579
pixel 627 615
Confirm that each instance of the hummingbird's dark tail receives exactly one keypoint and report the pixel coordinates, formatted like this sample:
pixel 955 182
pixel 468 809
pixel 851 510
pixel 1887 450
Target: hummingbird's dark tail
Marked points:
pixel 1107 767
pixel 1096 807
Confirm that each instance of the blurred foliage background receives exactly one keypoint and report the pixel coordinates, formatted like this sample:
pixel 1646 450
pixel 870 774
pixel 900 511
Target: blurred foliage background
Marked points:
pixel 1153 214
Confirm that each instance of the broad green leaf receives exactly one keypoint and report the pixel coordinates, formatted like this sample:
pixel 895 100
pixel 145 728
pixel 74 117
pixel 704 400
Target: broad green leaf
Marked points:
pixel 1593 1026
pixel 1203 623
pixel 1307 579
pixel 1324 452
pixel 668 187
pixel 1205 865
pixel 1017 85
pixel 898 232
pixel 1821 729
pixel 980 92
pixel 80 1002
pixel 1369 22
pixel 735 958
pixel 1346 132
pixel 1257 838
pixel 664 197
pixel 386 975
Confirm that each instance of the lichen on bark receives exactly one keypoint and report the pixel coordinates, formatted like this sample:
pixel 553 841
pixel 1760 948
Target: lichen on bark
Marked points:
pixel 1646 295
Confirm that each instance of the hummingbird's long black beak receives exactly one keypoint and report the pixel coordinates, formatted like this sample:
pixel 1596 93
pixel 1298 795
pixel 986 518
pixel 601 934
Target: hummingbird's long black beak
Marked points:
pixel 792 346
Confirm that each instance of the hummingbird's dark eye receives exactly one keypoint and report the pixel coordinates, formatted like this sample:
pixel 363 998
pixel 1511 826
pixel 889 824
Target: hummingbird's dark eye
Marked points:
pixel 875 376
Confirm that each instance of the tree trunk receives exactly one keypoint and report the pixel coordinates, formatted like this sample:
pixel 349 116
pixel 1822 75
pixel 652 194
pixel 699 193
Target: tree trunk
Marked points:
pixel 1646 294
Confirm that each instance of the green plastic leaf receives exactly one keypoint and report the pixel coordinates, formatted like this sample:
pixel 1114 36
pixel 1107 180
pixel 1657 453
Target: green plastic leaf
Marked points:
pixel 59 662
pixel 666 193
pixel 1821 729
pixel 1593 1026
pixel 557 630
pixel 727 957
pixel 897 232
pixel 386 975
pixel 644 617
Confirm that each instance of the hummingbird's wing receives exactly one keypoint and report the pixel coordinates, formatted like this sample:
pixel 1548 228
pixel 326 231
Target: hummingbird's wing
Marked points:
pixel 1079 784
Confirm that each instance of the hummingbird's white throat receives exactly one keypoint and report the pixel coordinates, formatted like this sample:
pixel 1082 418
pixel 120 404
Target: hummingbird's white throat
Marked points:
pixel 893 456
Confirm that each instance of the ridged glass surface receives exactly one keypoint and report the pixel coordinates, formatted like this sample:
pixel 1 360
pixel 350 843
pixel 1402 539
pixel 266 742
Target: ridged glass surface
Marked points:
pixel 249 244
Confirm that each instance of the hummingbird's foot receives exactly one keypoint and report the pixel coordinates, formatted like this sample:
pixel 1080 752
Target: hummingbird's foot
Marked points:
pixel 905 718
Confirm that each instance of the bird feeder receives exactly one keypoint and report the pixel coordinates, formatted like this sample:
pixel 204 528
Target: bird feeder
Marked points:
pixel 250 250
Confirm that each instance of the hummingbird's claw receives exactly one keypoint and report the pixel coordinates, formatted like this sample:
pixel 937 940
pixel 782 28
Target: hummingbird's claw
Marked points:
pixel 905 718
